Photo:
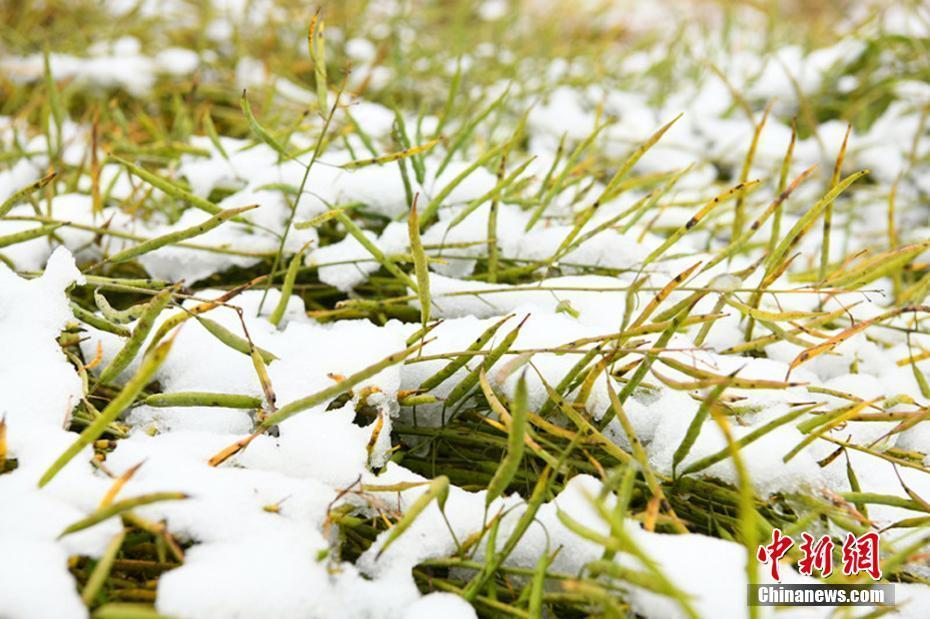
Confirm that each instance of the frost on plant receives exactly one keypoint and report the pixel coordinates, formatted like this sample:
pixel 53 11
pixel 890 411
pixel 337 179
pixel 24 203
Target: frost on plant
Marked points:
pixel 459 309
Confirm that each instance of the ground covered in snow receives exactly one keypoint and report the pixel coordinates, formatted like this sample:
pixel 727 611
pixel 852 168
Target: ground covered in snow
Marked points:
pixel 417 309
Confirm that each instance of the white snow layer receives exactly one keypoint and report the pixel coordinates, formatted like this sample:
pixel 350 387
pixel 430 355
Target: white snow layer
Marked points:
pixel 247 560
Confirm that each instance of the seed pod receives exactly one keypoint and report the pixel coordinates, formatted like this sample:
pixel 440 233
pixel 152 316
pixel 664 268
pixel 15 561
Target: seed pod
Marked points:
pixel 451 367
pixel 20 194
pixel 117 405
pixel 200 398
pixel 287 289
pixel 236 342
pixel 178 236
pixel 28 235
pixel 120 317
pixel 438 489
pixel 420 264
pixel 168 187
pixel 97 322
pixel 143 326
pixel 119 507
pixel 468 383
pixel 515 441
pixel 332 391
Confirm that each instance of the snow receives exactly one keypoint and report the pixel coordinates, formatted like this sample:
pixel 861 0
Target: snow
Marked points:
pixel 118 65
pixel 361 50
pixel 39 384
pixel 262 540
pixel 440 605
pixel 38 583
pixel 346 264
pixel 39 388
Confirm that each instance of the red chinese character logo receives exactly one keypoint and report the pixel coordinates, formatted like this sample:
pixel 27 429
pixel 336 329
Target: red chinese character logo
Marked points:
pixel 860 554
pixel 775 551
pixel 817 555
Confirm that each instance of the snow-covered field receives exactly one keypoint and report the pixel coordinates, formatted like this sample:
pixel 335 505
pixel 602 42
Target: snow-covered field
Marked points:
pixel 662 291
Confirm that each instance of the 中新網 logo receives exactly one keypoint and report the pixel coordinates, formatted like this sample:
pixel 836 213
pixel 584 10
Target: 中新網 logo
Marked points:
pixel 859 554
